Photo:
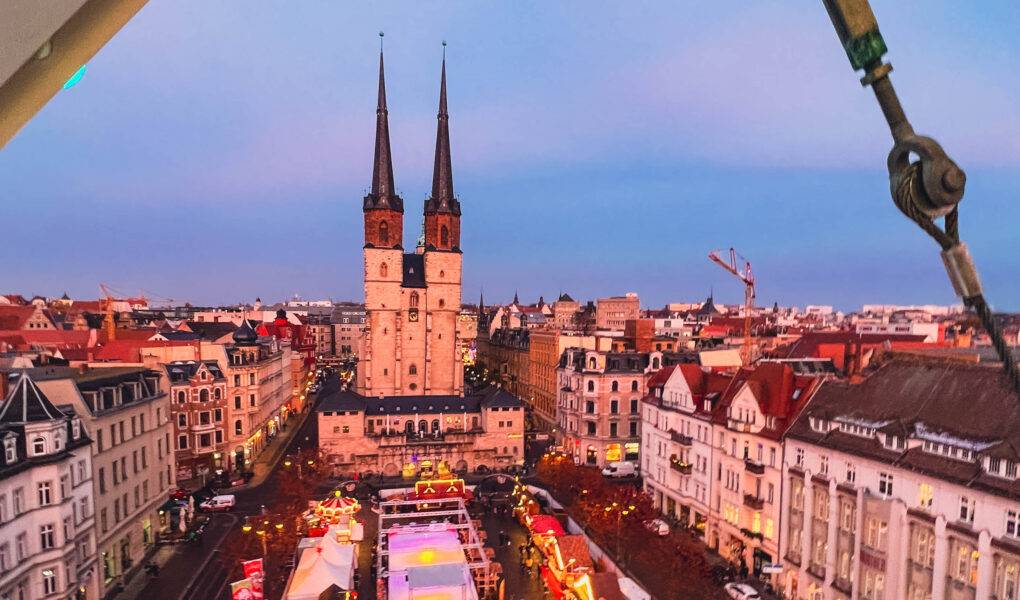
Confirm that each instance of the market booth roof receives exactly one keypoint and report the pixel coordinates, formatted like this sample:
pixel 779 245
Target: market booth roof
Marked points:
pixel 319 567
pixel 546 525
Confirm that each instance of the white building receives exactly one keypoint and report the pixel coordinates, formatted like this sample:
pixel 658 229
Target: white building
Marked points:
pixel 46 503
pixel 905 486
pixel 931 331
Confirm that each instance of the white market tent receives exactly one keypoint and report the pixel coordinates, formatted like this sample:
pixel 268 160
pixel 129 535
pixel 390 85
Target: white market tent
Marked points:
pixel 632 590
pixel 327 563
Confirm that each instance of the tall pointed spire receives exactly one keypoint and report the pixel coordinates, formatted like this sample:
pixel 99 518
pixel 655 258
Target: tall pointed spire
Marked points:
pixel 481 302
pixel 384 194
pixel 442 199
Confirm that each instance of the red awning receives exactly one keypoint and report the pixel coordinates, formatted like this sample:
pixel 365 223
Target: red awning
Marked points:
pixel 552 583
pixel 546 525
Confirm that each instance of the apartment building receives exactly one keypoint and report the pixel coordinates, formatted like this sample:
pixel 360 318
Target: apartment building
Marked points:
pixel 47 533
pixel 127 412
pixel 545 346
pixel 904 485
pixel 677 434
pixel 198 404
pixel 599 402
pixel 612 313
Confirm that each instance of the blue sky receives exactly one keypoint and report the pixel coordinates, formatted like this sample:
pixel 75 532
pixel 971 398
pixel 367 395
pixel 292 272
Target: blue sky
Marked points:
pixel 216 151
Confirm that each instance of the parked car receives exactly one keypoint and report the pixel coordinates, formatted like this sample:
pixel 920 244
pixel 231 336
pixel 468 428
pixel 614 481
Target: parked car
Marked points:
pixel 219 503
pixel 179 494
pixel 658 527
pixel 741 591
pixel 620 469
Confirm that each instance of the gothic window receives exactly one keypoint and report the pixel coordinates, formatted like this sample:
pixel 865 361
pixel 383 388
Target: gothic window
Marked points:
pixel 383 269
pixel 413 370
pixel 414 299
pixel 444 236
pixel 384 233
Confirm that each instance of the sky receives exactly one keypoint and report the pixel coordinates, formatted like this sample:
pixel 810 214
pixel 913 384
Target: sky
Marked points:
pixel 218 151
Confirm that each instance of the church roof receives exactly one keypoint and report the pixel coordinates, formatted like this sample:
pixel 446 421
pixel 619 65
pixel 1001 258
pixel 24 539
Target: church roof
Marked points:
pixel 384 191
pixel 26 403
pixel 414 270
pixel 442 199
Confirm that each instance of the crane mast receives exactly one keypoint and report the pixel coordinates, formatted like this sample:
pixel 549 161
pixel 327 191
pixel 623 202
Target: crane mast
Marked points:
pixel 746 276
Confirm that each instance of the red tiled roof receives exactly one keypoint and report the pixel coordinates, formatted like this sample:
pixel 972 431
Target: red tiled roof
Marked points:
pixel 49 337
pixel 14 317
pixel 774 386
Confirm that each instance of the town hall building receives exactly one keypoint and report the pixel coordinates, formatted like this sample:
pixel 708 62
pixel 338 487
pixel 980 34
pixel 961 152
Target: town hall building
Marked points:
pixel 408 411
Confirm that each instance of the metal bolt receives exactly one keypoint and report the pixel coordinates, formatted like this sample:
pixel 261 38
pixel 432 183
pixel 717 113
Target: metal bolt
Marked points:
pixel 953 179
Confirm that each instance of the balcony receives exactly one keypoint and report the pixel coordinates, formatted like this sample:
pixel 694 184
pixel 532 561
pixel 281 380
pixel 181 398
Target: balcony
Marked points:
pixel 679 466
pixel 754 502
pixel 683 440
pixel 203 426
pixel 413 439
pixel 755 468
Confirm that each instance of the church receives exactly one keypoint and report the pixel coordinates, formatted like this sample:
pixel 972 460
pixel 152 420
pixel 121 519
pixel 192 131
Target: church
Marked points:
pixel 408 412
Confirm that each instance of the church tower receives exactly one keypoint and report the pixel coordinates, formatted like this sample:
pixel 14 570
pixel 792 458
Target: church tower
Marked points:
pixel 384 230
pixel 443 263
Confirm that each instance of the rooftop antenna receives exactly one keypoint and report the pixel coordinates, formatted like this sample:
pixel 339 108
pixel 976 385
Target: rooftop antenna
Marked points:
pixel 381 35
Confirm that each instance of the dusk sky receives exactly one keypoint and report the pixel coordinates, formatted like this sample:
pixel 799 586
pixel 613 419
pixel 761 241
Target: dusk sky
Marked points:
pixel 218 151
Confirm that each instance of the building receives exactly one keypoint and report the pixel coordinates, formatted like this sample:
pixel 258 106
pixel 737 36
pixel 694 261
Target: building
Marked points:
pixel 127 412
pixel 198 407
pixel 408 412
pixel 748 426
pixel 412 300
pixel 676 429
pixel 564 312
pixel 614 312
pixel 348 327
pixel 507 357
pixel 544 350
pixel 47 527
pixel 420 436
pixel 904 485
pixel 319 334
pixel 598 408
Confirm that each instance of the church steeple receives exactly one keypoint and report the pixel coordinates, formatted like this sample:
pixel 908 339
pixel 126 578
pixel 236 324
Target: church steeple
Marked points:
pixel 442 209
pixel 383 207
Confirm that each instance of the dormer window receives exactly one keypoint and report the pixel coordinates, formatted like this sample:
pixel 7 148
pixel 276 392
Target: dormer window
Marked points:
pixel 894 442
pixel 10 451
pixel 38 446
pixel 76 429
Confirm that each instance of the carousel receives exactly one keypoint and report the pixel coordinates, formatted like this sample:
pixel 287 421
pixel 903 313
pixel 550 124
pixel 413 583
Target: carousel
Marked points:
pixel 338 510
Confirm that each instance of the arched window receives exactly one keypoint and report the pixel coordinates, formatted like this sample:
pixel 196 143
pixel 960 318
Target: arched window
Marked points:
pixel 633 386
pixel 238 428
pixel 414 300
pixel 180 397
pixel 384 233
pixel 217 394
pixel 615 387
pixel 444 236
pixel 591 363
pixel 423 426
pixel 655 363
pixel 435 425
pixel 39 446
pixel 412 370
pixel 383 270
pixel 591 386
pixel 203 396
pixel 409 427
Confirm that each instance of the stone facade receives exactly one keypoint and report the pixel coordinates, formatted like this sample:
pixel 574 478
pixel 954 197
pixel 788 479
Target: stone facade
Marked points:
pixel 612 313
pixel 198 408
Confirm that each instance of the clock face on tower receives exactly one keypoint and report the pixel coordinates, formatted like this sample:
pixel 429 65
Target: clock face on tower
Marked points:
pixel 412 315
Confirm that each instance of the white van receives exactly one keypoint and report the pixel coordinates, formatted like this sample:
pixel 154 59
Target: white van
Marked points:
pixel 620 469
pixel 219 503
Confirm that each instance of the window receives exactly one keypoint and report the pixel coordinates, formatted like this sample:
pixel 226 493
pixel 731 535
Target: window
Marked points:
pixel 39 446
pixel 925 495
pixel 590 427
pixel 614 407
pixel 799 457
pixel 5 556
pixel 851 472
pixel 412 370
pixel 180 397
pixel 633 429
pixel 591 384
pixel 384 238
pixel 182 442
pixel 824 465
pixel 1013 523
pixel 21 546
pixel 238 428
pixel 444 236
pixel 203 396
pixel 885 484
pixel 46 536
pixel 413 303
pixel 182 419
pixel 634 407
pixel 19 501
pixel 874 534
pixel 251 400
pixel 846 516
pixel 49 577
pixel 612 430
pixel 615 387
pixel 102 480
pixel 237 381
pixel 251 378
pixel 589 407
pixel 44 493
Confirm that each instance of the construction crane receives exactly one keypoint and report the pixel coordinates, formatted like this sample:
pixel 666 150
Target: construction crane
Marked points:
pixel 745 275
pixel 109 326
